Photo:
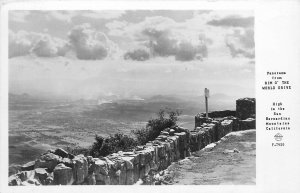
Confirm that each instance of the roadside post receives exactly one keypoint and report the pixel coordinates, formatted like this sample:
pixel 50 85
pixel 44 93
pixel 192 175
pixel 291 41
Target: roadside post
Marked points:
pixel 206 94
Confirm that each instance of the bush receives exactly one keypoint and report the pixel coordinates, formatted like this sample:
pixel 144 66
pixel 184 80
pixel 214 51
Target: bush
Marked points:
pixel 120 142
pixel 112 144
pixel 155 126
pixel 77 150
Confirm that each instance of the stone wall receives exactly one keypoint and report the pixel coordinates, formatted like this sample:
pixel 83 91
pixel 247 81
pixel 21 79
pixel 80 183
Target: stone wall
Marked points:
pixel 218 114
pixel 126 168
pixel 245 108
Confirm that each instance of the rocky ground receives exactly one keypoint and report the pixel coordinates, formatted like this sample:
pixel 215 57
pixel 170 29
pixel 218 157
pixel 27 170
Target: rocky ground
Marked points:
pixel 229 161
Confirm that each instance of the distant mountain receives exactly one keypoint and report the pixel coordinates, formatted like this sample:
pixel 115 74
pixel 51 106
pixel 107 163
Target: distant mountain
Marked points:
pixel 163 98
pixel 25 97
pixel 221 96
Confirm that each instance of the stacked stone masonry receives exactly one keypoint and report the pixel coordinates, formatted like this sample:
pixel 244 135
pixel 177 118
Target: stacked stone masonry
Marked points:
pixel 126 168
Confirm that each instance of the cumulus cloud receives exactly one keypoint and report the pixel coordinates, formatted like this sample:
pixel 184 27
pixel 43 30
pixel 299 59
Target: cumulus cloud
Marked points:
pixel 116 28
pixel 19 44
pixel 164 43
pixel 90 44
pixel 137 54
pixel 160 42
pixel 162 37
pixel 24 43
pixel 50 47
pixel 186 52
pixel 241 43
pixel 233 21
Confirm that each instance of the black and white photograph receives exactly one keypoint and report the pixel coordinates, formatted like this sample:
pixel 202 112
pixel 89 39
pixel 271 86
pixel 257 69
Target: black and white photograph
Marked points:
pixel 131 97
pixel 149 96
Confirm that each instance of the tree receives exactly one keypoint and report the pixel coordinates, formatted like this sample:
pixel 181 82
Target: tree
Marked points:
pixel 112 144
pixel 156 125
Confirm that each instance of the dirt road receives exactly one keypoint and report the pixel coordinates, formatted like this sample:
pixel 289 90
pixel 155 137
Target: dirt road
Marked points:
pixel 230 161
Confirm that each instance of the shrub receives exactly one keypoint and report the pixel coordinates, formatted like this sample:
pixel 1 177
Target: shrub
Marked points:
pixel 105 146
pixel 120 142
pixel 156 125
pixel 77 150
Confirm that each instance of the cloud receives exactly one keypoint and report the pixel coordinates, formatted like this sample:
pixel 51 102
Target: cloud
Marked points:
pixel 18 16
pixel 138 55
pixel 87 43
pixel 24 43
pixel 50 47
pixel 233 21
pixel 19 44
pixel 241 43
pixel 161 37
pixel 65 16
pixel 116 28
pixel 187 52
pixel 103 14
pixel 90 44
pixel 160 42
pixel 163 43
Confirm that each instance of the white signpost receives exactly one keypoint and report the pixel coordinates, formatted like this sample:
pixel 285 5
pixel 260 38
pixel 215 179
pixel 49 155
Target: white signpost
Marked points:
pixel 206 94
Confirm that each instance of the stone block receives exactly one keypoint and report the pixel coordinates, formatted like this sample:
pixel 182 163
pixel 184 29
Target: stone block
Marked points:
pixel 199 120
pixel 155 156
pixel 99 177
pixel 148 155
pixel 14 180
pixel 100 166
pixel 89 159
pixel 142 171
pixel 91 179
pixel 48 161
pixel 25 175
pixel 129 162
pixel 110 163
pixel 153 165
pixel 80 168
pixel 147 168
pixel 62 153
pixel 136 159
pixel 142 157
pixel 107 180
pixel 41 174
pixel 63 175
pixel 151 150
pixel 171 144
pixel 160 151
pixel 28 166
pixel 247 124
pixel 67 162
pixel 114 179
pixel 164 133
pixel 245 108
pixel 30 182
pixel 122 177
pixel 167 146
pixel 130 177
pixel 171 132
pixel 136 172
pixel 49 180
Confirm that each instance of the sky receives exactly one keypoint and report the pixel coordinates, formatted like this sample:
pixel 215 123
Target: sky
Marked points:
pixel 133 53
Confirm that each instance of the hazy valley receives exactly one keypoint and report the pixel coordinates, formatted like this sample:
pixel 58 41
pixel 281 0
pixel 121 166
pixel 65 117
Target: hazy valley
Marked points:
pixel 37 124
